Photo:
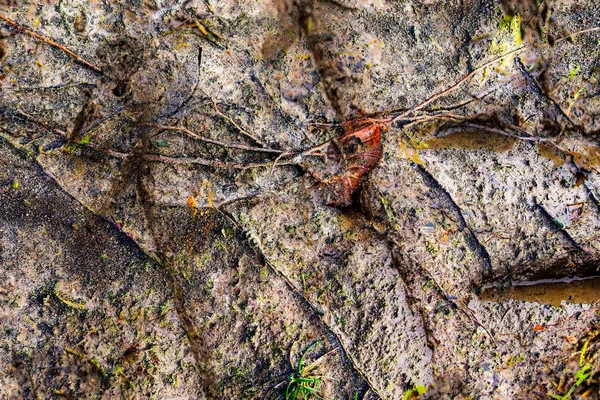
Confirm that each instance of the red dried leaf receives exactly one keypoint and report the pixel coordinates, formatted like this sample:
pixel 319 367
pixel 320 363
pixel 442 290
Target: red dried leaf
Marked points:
pixel 349 159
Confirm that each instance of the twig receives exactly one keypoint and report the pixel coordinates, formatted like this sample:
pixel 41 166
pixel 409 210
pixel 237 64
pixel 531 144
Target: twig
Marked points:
pixel 193 91
pixel 209 6
pixel 325 123
pixel 232 122
pixel 457 118
pixel 279 157
pixel 471 316
pixel 572 35
pixel 215 142
pixel 470 74
pixel 454 86
pixel 544 93
pixel 53 87
pixel 36 121
pixel 99 122
pixel 313 149
pixel 529 138
pixel 208 33
pixel 511 135
pixel 593 237
pixel 342 5
pixel 461 306
pixel 64 135
pixel 319 360
pixel 51 42
pixel 210 163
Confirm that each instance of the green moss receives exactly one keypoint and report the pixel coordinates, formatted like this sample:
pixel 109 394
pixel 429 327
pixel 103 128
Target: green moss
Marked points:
pixel 512 25
pixel 574 72
pixel 388 209
pixel 430 247
pixel 318 220
pixel 291 229
pixel 264 273
pixel 414 392
pixel 162 310
pixel 98 366
pixel 509 35
pixel 71 148
pixel 208 286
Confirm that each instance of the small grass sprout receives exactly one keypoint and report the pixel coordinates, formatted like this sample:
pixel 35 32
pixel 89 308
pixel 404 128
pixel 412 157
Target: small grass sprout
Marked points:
pixel 303 383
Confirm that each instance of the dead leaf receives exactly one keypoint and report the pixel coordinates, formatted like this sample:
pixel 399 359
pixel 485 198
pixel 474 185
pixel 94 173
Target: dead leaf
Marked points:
pixel 348 160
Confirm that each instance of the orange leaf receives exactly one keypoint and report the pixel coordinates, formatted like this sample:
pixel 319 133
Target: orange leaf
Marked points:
pixel 350 158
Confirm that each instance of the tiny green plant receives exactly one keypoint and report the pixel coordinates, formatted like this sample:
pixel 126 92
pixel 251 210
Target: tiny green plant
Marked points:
pixel 580 376
pixel 584 380
pixel 303 383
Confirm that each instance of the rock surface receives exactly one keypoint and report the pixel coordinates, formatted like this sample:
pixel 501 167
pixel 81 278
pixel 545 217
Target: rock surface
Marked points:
pixel 163 232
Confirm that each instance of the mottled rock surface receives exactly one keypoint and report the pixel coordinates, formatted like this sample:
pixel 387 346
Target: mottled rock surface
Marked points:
pixel 163 232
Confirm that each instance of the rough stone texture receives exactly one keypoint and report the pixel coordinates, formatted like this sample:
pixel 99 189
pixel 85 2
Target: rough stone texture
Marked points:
pixel 84 312
pixel 348 276
pixel 140 261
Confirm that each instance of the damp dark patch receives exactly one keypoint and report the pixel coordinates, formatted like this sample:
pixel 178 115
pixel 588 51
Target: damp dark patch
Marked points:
pixel 471 141
pixel 121 59
pixel 552 292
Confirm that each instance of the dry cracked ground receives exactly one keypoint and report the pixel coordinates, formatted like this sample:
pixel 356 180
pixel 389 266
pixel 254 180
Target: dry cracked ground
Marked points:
pixel 193 193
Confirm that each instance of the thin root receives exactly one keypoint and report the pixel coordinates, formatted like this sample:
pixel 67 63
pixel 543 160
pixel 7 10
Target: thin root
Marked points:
pixel 51 42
